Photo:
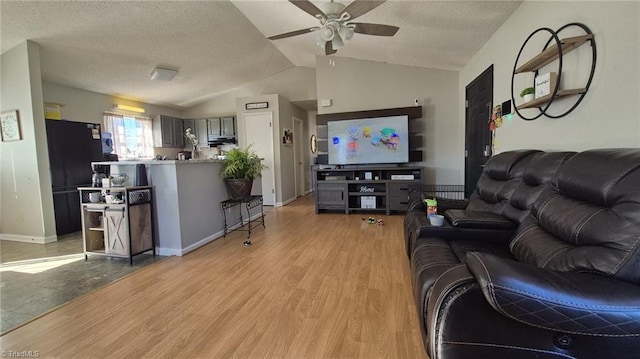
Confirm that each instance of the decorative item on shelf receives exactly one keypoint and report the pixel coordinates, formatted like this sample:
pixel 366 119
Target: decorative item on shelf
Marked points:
pixel 239 169
pixel 118 179
pixel 545 84
pixel 368 202
pixel 193 140
pixel 528 94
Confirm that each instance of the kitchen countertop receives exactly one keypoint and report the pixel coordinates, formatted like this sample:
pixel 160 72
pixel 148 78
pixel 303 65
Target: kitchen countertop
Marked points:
pixel 158 162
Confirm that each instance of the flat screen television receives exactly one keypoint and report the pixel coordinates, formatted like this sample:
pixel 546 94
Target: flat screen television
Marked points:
pixel 369 140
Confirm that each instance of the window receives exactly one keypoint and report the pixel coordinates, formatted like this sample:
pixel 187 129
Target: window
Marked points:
pixel 132 135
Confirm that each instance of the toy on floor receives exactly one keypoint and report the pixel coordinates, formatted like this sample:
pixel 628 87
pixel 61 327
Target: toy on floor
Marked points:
pixel 246 243
pixel 372 220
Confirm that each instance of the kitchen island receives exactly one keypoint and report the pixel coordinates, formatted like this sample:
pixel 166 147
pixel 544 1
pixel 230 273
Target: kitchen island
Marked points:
pixel 187 211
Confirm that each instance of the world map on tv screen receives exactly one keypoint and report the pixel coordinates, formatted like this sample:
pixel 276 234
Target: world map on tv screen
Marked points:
pixel 369 140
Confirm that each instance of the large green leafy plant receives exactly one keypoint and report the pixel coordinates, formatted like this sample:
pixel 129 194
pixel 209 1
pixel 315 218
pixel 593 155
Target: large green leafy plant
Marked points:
pixel 242 163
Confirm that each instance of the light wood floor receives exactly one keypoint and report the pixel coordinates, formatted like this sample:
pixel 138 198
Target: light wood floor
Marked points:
pixel 322 286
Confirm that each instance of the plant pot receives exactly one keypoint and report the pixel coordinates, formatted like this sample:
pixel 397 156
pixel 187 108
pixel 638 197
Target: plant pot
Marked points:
pixel 528 97
pixel 238 188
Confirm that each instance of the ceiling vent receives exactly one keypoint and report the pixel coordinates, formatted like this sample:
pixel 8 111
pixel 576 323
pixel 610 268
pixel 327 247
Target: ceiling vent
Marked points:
pixel 163 74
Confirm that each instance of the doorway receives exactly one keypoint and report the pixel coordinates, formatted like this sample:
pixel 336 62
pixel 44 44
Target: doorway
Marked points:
pixel 258 131
pixel 478 103
pixel 298 156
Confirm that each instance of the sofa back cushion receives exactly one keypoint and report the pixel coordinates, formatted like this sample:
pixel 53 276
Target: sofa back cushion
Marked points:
pixel 590 222
pixel 501 175
pixel 541 170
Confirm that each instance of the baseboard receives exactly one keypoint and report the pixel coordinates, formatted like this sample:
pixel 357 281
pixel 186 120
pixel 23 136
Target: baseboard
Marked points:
pixel 28 239
pixel 280 204
pixel 200 243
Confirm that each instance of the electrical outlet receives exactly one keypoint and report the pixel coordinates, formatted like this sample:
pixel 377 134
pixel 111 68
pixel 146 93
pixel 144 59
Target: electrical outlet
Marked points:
pixel 21 216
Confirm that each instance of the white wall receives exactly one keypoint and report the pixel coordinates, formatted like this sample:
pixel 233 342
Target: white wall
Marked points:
pixel 287 165
pixel 273 107
pixel 295 84
pixel 609 115
pixel 26 200
pixel 356 85
pixel 282 112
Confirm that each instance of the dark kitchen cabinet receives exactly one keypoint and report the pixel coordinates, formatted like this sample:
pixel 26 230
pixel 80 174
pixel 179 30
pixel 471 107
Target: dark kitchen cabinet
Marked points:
pixel 221 127
pixel 228 126
pixel 168 131
pixel 201 131
pixel 198 127
pixel 213 125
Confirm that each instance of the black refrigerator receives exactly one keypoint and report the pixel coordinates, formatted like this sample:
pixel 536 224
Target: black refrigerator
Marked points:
pixel 72 148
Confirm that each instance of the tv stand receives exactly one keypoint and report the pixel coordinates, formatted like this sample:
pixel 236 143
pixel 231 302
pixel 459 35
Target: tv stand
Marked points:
pixel 365 189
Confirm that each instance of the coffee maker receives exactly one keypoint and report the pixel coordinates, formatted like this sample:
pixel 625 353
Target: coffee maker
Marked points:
pixel 99 172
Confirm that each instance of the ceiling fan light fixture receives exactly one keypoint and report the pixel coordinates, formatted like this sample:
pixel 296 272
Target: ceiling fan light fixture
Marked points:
pixel 337 42
pixel 326 33
pixel 346 33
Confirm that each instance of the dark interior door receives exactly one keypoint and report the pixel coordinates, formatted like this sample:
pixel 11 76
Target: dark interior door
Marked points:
pixel 479 102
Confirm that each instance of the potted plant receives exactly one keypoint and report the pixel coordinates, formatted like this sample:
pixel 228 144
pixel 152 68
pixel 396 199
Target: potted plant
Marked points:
pixel 527 94
pixel 239 169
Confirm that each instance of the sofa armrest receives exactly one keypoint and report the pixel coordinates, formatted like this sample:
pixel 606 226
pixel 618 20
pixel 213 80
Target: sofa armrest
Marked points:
pixel 474 219
pixel 445 204
pixel 580 303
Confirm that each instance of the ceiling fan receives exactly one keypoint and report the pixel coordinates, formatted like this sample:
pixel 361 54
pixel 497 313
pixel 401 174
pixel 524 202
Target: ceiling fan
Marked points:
pixel 336 24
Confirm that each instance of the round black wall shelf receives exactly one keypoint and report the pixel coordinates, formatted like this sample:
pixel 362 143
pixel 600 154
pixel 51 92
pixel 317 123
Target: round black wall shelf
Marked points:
pixel 549 54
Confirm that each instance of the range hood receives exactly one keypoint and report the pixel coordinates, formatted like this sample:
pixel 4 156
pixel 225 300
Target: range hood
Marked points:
pixel 218 141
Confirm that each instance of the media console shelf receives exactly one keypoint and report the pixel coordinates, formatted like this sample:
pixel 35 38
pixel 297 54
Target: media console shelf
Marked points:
pixel 366 189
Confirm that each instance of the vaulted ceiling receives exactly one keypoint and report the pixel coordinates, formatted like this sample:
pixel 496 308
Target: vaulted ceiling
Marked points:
pixel 111 47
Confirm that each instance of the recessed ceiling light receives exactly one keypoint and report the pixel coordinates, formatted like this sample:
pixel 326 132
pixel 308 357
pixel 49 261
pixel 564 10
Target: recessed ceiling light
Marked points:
pixel 163 74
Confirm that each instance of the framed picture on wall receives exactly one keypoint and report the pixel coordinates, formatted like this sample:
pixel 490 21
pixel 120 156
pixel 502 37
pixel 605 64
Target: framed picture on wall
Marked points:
pixel 287 137
pixel 10 125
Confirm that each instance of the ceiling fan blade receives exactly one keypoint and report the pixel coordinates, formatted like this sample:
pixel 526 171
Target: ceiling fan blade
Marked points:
pixel 293 33
pixel 308 7
pixel 361 7
pixel 375 29
pixel 328 49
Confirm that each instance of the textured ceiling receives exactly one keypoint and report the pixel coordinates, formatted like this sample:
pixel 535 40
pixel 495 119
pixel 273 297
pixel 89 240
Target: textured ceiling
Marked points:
pixel 112 46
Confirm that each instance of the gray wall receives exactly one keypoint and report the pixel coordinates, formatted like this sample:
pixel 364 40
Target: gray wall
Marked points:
pixel 609 115
pixel 26 202
pixel 355 85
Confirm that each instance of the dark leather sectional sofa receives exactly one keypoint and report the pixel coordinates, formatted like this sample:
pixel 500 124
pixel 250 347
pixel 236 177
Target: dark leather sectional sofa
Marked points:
pixel 543 261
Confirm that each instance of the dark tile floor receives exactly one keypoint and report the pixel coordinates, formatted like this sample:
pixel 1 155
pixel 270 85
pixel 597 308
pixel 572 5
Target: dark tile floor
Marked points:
pixel 36 278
